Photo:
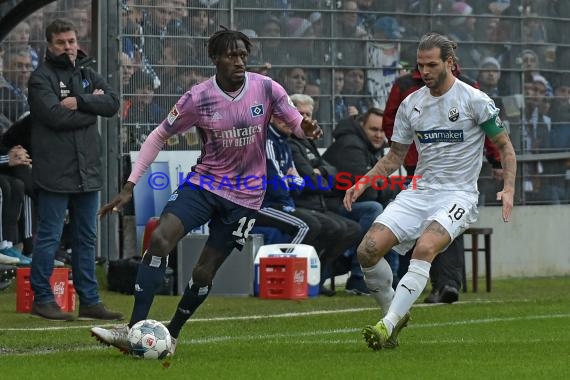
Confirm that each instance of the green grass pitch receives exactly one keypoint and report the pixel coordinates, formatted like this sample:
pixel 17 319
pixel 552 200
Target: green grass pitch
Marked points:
pixel 518 331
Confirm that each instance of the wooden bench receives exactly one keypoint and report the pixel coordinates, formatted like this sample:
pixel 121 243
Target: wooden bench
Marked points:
pixel 475 249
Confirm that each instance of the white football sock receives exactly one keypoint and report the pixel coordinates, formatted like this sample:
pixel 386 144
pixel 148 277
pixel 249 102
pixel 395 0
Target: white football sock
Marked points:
pixel 379 281
pixel 407 292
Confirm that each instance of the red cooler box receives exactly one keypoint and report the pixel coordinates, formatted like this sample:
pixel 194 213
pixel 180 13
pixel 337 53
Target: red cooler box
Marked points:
pixel 61 285
pixel 283 277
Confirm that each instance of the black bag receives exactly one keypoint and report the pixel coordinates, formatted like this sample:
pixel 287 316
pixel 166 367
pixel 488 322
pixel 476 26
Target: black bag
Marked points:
pixel 122 275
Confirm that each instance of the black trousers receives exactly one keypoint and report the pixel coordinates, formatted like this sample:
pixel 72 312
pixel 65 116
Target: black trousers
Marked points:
pixel 446 269
pixel 12 200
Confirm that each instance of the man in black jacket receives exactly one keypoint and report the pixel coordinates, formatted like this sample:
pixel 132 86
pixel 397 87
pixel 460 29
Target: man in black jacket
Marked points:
pixel 319 180
pixel 358 144
pixel 65 99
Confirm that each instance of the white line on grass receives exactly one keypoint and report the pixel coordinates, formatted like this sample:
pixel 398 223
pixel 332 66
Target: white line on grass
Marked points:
pixel 279 336
pixel 68 326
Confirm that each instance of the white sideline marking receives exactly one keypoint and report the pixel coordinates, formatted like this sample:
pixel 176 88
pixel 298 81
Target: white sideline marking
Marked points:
pixel 356 330
pixel 278 338
pixel 252 317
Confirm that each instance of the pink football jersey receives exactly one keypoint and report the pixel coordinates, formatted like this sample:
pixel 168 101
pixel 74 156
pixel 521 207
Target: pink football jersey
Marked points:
pixel 234 133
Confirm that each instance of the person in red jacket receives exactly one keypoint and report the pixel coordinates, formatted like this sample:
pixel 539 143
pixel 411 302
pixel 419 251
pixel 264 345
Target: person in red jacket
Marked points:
pixel 447 269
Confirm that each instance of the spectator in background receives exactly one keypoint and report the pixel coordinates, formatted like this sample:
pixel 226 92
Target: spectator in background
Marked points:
pixel 132 22
pixel 367 13
pixel 201 26
pixel 81 18
pixel 12 202
pixel 321 46
pixel 180 19
pixel 384 58
pixel 177 53
pixel 155 28
pixel 200 22
pixel 531 68
pixel 355 92
pixel 141 112
pixel 18 164
pixel 386 28
pixel 127 69
pixel 341 108
pixel 37 39
pixel 496 33
pixel 317 194
pixel 186 74
pixel 533 29
pixel 293 79
pixel 535 135
pixel 351 51
pixel 313 89
pixel 560 114
pixel 489 76
pixel 304 41
pixel 462 29
pixel 299 225
pixel 558 171
pixel 359 143
pixel 141 106
pixel 490 180
pixel 496 7
pixel 14 90
pixel 19 38
pixel 270 32
pixel 67 168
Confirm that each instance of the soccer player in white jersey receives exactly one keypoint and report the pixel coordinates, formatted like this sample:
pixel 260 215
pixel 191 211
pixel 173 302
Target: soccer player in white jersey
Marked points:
pixel 447 120
pixel 225 188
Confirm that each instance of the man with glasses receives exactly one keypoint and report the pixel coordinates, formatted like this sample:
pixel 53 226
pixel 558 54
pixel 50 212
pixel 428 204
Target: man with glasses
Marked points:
pixel 14 89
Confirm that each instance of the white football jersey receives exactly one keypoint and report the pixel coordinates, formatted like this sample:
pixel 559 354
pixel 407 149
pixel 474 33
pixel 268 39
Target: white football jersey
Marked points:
pixel 447 133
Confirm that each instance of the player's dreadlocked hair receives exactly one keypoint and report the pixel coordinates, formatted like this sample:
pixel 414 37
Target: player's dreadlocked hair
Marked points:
pixel 226 39
pixel 434 40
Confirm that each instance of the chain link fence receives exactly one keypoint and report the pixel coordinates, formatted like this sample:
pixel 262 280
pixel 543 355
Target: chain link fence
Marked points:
pixel 346 55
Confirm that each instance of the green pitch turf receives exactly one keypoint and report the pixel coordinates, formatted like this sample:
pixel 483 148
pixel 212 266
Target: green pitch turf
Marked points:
pixel 518 331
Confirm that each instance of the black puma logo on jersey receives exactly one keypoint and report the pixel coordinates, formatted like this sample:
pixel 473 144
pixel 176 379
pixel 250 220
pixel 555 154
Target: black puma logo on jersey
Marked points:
pixel 408 289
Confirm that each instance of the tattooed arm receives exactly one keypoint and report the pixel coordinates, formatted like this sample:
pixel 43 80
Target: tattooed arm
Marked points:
pixel 383 168
pixel 509 163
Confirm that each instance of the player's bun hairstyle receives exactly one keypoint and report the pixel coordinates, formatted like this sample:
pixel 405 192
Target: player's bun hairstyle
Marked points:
pixel 435 40
pixel 225 39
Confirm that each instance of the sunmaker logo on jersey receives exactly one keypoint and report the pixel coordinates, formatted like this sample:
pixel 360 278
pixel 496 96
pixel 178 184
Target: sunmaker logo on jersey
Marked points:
pixel 437 136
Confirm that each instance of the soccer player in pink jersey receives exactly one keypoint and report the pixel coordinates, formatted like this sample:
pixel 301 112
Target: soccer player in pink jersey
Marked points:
pixel 231 111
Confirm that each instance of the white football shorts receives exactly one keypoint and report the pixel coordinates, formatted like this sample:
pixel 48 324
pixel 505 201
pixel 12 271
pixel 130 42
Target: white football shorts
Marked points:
pixel 413 210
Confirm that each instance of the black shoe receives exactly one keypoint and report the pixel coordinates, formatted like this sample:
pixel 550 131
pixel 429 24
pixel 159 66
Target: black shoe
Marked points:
pixel 98 311
pixel 433 297
pixel 357 285
pixel 323 291
pixel 51 311
pixel 448 294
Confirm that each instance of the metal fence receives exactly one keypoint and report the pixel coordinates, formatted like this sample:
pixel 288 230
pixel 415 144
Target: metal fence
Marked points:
pixel 347 54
